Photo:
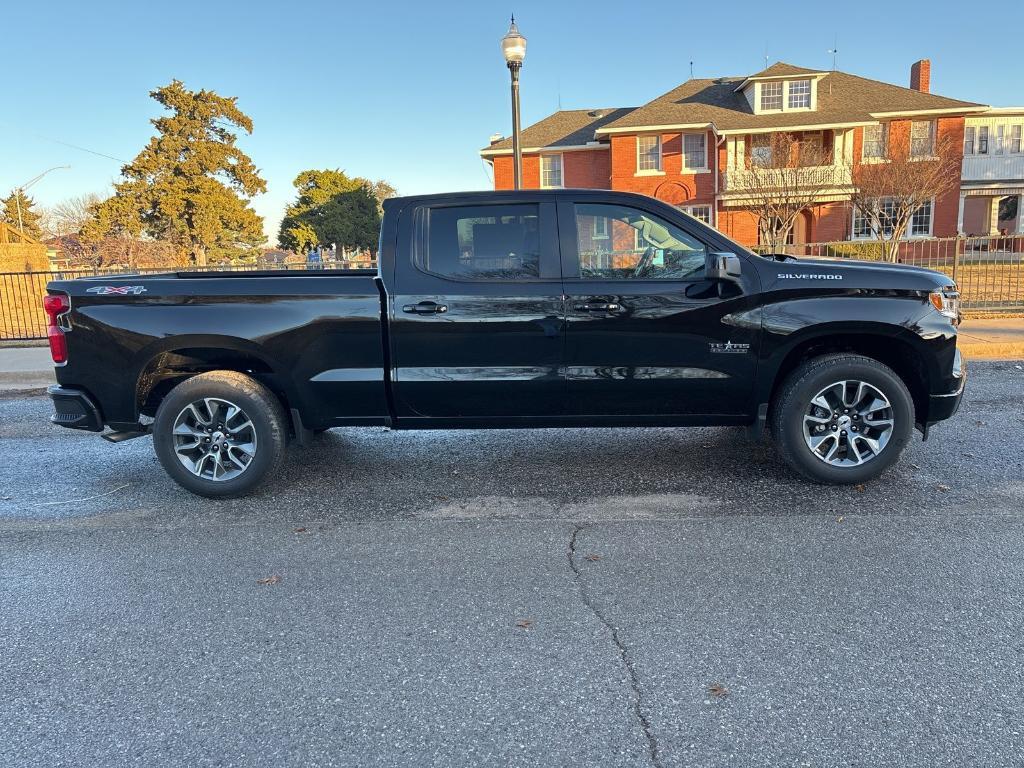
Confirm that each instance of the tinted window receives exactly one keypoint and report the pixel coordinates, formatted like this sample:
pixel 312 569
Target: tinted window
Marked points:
pixel 635 245
pixel 483 242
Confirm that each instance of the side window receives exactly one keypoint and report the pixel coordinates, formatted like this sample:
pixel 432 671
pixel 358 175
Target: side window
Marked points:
pixel 483 242
pixel 637 245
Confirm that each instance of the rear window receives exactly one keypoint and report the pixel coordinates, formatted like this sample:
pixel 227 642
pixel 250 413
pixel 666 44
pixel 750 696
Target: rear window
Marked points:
pixel 483 242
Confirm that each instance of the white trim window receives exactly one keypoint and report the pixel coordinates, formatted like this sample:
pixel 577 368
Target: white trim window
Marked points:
pixel 648 154
pixel 760 151
pixel 1000 134
pixel 699 212
pixel 983 140
pixel 600 228
pixel 1015 139
pixel 875 146
pixel 969 137
pixel 922 138
pixel 771 96
pixel 921 221
pixel 920 224
pixel 862 226
pixel 695 152
pixel 799 94
pixel 550 171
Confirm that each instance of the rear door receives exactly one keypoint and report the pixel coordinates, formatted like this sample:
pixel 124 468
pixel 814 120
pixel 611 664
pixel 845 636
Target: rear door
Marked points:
pixel 477 315
pixel 646 333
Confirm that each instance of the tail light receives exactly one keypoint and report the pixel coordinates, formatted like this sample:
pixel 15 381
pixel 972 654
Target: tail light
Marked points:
pixel 56 305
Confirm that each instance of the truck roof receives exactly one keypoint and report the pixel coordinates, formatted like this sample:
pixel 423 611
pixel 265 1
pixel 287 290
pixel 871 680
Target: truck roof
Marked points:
pixel 511 194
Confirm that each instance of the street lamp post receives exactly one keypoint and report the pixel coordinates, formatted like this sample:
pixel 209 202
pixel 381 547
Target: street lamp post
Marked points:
pixel 513 46
pixel 20 191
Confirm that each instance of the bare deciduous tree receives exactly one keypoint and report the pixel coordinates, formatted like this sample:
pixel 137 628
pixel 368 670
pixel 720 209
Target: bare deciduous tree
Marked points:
pixel 785 177
pixel 69 216
pixel 889 193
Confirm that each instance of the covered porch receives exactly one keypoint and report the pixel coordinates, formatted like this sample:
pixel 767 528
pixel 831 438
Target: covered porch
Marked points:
pixel 990 212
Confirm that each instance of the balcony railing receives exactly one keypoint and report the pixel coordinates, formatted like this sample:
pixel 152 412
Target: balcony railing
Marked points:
pixel 994 167
pixel 823 176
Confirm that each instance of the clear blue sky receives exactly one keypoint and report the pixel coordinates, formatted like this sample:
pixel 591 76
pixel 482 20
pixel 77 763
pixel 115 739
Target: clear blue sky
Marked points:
pixel 409 92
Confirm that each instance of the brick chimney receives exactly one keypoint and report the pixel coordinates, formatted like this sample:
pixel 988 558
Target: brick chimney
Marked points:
pixel 921 75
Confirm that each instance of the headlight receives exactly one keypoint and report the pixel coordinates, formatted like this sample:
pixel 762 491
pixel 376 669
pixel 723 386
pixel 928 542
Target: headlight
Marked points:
pixel 947 301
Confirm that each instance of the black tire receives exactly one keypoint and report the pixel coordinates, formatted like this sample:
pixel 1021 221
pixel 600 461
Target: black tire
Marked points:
pixel 268 430
pixel 793 403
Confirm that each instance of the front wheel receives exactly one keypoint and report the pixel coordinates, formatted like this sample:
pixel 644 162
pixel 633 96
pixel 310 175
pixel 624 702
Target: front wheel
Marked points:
pixel 220 434
pixel 842 419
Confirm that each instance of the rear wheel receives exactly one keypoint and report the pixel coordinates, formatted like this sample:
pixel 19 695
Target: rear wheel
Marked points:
pixel 220 434
pixel 842 419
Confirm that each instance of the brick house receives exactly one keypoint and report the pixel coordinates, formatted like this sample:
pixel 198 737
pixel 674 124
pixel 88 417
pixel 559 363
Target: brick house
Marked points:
pixel 695 146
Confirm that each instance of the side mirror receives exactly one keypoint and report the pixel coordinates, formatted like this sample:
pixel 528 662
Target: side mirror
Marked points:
pixel 723 266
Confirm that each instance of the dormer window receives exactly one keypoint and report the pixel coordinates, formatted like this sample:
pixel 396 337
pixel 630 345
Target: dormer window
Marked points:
pixel 800 94
pixel 771 96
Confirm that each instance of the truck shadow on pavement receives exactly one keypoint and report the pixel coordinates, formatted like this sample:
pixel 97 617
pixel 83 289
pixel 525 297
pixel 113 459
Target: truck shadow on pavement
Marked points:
pixel 370 474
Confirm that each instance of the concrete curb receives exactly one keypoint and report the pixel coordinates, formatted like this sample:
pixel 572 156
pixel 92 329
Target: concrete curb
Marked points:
pixel 13 394
pixel 992 350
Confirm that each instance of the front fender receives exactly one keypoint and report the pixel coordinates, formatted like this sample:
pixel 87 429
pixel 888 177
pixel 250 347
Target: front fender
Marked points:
pixel 907 323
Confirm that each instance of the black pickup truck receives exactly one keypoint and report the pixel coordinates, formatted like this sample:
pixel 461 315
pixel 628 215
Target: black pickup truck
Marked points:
pixel 552 308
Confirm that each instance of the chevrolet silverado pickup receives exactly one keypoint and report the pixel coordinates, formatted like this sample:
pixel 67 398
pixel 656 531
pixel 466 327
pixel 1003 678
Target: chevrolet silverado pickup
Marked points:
pixel 542 308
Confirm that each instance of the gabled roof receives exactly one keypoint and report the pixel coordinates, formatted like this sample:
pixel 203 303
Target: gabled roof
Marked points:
pixel 842 99
pixel 566 128
pixel 780 69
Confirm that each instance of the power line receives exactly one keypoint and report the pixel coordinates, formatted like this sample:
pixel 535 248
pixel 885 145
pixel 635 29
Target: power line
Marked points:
pixel 73 146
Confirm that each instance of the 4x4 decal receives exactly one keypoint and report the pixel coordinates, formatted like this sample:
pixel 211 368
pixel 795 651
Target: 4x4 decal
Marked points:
pixel 117 290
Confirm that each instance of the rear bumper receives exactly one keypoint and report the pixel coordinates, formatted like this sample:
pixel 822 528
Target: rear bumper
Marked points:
pixel 74 409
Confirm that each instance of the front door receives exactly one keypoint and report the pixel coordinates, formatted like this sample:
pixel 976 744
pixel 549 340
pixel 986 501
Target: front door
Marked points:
pixel 477 316
pixel 646 333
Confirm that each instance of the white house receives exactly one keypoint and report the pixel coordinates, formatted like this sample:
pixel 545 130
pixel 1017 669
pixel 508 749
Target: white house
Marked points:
pixel 992 176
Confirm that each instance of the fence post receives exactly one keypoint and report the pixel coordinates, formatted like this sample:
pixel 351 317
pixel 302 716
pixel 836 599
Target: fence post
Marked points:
pixel 956 255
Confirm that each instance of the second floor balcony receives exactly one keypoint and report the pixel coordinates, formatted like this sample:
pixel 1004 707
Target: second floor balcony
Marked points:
pixel 993 167
pixel 829 179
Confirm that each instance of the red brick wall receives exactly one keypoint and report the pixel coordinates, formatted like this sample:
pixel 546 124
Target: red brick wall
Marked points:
pixel 504 176
pixel 832 221
pixel 949 129
pixel 587 169
pixel 739 224
pixel 673 186
pixel 947 206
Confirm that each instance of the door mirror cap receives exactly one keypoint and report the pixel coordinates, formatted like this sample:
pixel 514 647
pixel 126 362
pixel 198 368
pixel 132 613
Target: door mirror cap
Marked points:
pixel 724 266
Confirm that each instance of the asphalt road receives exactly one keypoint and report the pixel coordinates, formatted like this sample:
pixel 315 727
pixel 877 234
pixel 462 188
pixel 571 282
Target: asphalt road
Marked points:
pixel 538 598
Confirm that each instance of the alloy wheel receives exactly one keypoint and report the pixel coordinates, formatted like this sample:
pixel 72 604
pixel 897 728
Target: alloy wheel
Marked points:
pixel 848 423
pixel 214 439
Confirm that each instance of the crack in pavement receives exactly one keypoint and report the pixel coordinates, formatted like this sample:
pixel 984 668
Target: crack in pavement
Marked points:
pixel 634 680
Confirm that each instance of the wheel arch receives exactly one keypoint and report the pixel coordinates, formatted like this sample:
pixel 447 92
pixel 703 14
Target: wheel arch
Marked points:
pixel 161 367
pixel 897 348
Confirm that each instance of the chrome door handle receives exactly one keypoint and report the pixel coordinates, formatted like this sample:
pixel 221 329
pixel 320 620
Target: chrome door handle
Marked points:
pixel 600 306
pixel 425 308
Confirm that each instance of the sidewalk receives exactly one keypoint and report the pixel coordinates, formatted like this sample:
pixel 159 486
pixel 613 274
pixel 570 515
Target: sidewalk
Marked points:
pixel 28 370
pixel 25 370
pixel 999 339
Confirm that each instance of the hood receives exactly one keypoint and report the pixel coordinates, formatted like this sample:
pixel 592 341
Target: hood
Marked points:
pixel 850 273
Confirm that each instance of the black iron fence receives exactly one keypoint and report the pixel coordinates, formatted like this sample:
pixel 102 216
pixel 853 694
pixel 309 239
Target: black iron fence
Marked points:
pixel 989 271
pixel 21 293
